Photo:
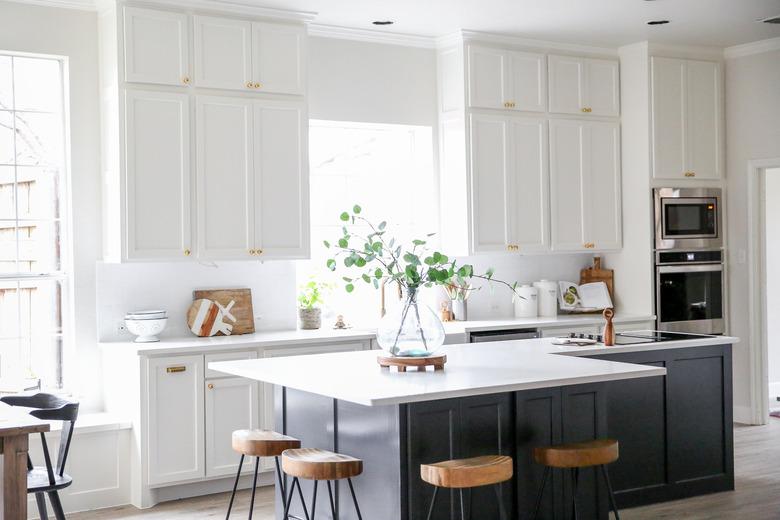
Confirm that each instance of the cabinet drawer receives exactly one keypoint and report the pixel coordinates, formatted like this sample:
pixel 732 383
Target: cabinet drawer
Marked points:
pixel 227 356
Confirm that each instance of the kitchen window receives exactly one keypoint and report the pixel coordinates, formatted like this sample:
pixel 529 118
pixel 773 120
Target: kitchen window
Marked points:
pixel 34 279
pixel 387 169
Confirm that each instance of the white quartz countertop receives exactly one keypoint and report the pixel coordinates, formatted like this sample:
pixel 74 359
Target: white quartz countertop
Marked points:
pixel 471 369
pixel 192 344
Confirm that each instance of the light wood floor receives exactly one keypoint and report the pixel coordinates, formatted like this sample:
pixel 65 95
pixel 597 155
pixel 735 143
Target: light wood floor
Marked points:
pixel 757 497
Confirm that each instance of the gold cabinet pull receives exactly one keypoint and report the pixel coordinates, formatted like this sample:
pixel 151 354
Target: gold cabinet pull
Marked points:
pixel 187 252
pixel 587 110
pixel 185 80
pixel 506 104
pixel 175 370
pixel 211 386
pixel 252 252
pixel 258 251
pixel 589 245
pixel 690 174
pixel 511 104
pixel 249 84
pixel 257 85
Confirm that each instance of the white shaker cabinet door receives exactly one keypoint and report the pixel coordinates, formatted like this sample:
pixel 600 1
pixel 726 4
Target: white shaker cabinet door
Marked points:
pixel 223 53
pixel 225 178
pixel 602 188
pixel 231 404
pixel 156 45
pixel 529 182
pixel 490 189
pixel 489 81
pixel 703 119
pixel 668 112
pixel 281 180
pixel 174 405
pixel 529 82
pixel 567 178
pixel 157 155
pixel 566 84
pixel 602 87
pixel 278 57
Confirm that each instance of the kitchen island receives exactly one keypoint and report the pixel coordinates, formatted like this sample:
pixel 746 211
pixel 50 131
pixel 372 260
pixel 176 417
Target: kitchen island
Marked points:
pixel 506 398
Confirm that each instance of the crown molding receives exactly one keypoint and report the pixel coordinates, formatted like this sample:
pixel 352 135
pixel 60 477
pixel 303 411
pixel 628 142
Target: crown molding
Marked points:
pixel 466 36
pixel 371 36
pixel 686 51
pixel 81 5
pixel 746 49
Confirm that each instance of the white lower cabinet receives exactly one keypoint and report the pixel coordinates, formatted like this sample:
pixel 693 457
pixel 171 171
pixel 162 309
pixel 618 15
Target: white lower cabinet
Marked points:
pixel 231 404
pixel 175 417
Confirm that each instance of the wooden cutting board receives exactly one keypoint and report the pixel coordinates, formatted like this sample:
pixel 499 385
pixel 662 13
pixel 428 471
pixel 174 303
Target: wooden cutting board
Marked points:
pixel 241 309
pixel 597 274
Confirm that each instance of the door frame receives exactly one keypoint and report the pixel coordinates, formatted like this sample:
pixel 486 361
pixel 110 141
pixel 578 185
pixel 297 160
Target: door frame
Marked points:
pixel 759 357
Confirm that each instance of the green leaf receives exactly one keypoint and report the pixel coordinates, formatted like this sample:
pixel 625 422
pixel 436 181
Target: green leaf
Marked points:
pixel 326 243
pixel 382 225
pixel 376 283
pixel 366 278
pixel 429 260
pixel 377 247
pixel 356 209
pixel 343 243
pixel 349 261
pixel 360 262
pixel 344 216
pixel 331 264
pixel 443 259
pixel 349 287
pixel 489 273
pixel 418 242
pixel 378 273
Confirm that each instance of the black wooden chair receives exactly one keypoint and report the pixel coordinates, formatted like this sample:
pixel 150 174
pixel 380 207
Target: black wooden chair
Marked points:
pixel 48 479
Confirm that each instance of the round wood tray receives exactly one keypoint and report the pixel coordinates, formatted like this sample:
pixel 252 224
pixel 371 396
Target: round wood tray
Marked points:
pixel 421 363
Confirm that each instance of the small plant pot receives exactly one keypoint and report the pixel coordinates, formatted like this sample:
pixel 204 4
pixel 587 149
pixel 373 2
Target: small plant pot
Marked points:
pixel 311 319
pixel 460 309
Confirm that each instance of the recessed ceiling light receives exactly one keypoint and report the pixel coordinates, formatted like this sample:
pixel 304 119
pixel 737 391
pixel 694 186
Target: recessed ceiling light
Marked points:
pixel 383 22
pixel 658 22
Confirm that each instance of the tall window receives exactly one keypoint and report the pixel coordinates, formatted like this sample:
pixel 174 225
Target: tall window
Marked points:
pixel 33 280
pixel 387 170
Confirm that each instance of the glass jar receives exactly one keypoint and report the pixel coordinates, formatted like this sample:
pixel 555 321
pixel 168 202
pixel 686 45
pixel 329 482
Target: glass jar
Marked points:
pixel 410 329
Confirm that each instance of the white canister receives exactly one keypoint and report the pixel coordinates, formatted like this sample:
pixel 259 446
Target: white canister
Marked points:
pixel 547 298
pixel 526 305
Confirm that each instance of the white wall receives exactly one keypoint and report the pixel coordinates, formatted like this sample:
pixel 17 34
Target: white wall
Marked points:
pixel 772 287
pixel 72 33
pixel 752 132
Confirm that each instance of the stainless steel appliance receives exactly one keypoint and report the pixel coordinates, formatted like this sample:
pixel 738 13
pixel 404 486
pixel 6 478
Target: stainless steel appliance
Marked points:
pixel 502 335
pixel 689 291
pixel 688 218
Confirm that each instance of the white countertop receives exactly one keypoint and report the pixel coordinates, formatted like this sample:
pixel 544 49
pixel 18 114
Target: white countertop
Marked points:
pixel 193 344
pixel 471 369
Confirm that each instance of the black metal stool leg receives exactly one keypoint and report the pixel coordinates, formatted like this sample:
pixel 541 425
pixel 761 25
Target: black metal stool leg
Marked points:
pixel 235 486
pixel 287 504
pixel 254 488
pixel 303 502
pixel 56 505
pixel 332 502
pixel 433 503
pixel 282 490
pixel 40 499
pixel 501 509
pixel 354 499
pixel 575 477
pixel 314 500
pixel 611 493
pixel 541 492
pixel 462 505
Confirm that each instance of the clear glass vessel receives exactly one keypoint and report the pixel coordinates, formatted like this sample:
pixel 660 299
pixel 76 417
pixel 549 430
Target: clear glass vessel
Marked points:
pixel 411 329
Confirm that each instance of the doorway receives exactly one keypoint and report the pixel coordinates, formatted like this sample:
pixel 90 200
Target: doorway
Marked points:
pixel 770 180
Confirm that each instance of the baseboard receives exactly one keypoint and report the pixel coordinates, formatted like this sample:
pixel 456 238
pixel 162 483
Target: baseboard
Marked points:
pixel 209 487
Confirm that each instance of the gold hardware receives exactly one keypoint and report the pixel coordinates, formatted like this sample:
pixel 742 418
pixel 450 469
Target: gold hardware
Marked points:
pixel 587 110
pixel 589 245
pixel 257 85
pixel 185 80
pixel 249 84
pixel 252 251
pixel 511 104
pixel 174 370
pixel 506 104
pixel 258 251
pixel 690 174
pixel 211 386
pixel 187 252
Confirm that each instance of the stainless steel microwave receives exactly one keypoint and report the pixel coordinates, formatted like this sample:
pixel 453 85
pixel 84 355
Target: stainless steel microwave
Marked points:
pixel 688 218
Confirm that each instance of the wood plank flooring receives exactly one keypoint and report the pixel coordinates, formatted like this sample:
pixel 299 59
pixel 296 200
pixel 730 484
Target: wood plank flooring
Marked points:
pixel 757 497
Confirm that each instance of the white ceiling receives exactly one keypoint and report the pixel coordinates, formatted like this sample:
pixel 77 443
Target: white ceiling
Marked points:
pixel 720 23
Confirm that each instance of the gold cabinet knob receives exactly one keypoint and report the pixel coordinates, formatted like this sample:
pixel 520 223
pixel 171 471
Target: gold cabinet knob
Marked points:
pixel 187 252
pixel 506 104
pixel 258 251
pixel 251 251
pixel 185 80
pixel 511 104
pixel 690 174
pixel 211 386
pixel 249 84
pixel 258 85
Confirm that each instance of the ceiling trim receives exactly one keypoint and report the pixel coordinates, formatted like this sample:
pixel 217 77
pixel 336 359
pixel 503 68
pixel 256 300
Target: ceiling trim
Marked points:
pixel 371 36
pixel 82 5
pixel 746 49
pixel 506 39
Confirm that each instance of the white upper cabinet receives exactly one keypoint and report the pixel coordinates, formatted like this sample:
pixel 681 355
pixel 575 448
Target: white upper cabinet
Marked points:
pixel 278 57
pixel 225 177
pixel 584 86
pixel 156 45
pixel 157 158
pixel 281 180
pixel 509 184
pixel 686 119
pixel 505 79
pixel 585 185
pixel 223 53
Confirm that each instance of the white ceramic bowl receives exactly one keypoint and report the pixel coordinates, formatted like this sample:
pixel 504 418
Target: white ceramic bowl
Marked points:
pixel 146 330
pixel 146 315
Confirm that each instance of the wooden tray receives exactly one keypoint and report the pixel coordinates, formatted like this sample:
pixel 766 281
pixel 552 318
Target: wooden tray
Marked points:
pixel 421 363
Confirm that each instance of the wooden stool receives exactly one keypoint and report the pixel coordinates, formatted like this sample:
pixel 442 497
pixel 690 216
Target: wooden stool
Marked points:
pixel 315 464
pixel 468 473
pixel 574 456
pixel 260 443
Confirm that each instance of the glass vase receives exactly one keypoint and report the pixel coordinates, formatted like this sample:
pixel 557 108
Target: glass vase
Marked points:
pixel 411 329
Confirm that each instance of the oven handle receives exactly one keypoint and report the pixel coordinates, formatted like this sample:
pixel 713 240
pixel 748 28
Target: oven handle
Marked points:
pixel 689 268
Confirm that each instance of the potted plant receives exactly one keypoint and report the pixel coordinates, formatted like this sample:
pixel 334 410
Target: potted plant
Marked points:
pixel 413 329
pixel 309 304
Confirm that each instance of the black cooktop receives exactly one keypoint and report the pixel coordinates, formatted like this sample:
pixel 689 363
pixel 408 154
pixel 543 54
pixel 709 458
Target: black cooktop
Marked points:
pixel 641 336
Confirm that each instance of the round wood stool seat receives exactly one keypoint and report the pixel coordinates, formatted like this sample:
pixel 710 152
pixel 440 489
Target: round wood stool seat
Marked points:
pixel 262 443
pixel 316 464
pixel 468 473
pixel 578 454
